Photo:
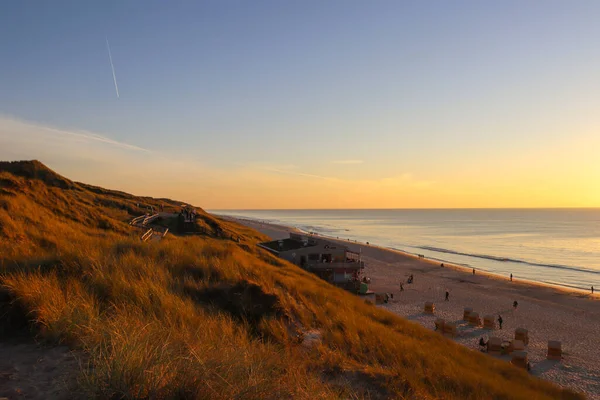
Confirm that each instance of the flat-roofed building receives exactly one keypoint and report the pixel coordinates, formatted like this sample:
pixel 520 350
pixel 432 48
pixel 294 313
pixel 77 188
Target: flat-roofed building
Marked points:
pixel 329 260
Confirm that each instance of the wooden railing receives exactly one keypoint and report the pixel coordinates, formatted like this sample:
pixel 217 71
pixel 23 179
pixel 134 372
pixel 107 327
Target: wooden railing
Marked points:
pixel 149 219
pixel 147 235
pixel 137 219
pixel 144 219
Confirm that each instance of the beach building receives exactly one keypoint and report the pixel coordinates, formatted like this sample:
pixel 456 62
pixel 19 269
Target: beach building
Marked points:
pixel 330 261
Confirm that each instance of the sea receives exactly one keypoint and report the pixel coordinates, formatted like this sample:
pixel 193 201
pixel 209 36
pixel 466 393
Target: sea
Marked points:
pixel 554 246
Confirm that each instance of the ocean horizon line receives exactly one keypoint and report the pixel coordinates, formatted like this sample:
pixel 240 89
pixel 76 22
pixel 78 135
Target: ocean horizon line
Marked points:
pixel 404 209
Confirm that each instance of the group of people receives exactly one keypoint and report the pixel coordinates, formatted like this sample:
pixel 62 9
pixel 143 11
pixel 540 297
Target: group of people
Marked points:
pixel 483 347
pixel 409 281
pixel 151 208
pixel 188 213
pixel 511 279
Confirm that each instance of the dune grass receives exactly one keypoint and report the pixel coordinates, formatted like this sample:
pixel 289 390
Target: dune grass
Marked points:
pixel 207 317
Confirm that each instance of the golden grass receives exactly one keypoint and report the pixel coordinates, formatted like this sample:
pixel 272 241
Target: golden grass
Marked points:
pixel 206 317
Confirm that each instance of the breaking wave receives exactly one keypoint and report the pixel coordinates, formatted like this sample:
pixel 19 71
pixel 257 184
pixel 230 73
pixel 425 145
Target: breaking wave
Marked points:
pixel 512 260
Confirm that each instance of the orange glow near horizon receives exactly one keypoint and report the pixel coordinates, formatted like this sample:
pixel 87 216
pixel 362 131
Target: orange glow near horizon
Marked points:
pixel 564 174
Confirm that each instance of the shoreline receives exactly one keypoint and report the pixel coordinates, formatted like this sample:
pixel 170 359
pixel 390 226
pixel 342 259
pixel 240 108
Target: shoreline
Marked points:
pixel 468 270
pixel 434 261
pixel 567 315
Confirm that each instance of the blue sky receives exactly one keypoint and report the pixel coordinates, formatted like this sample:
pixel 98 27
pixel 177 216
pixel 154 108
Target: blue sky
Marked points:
pixel 354 91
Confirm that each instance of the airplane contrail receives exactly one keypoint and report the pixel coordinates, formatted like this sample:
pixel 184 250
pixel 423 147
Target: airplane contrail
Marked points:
pixel 112 67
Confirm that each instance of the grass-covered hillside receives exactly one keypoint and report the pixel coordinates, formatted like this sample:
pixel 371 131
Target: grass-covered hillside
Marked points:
pixel 208 315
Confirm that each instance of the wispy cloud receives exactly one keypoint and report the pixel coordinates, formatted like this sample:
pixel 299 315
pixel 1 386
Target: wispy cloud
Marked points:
pixel 27 130
pixel 297 173
pixel 266 165
pixel 101 160
pixel 347 162
pixel 287 169
pixel 294 170
pixel 94 137
pixel 406 179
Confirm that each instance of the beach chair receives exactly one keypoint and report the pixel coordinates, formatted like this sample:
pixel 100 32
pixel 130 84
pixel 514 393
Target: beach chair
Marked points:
pixel 519 359
pixel 494 346
pixel 516 345
pixel 489 322
pixel 439 325
pixel 554 350
pixel 450 329
pixel 522 334
pixel 474 319
pixel 429 307
pixel 466 313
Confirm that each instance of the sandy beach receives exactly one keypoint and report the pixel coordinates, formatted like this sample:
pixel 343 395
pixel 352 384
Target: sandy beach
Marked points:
pixel 549 313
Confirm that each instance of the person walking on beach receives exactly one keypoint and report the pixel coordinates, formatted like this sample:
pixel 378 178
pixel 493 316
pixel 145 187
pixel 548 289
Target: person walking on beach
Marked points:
pixel 511 277
pixel 515 304
pixel 473 271
pixel 442 265
pixel 447 295
pixel 500 321
pixel 592 290
pixel 401 287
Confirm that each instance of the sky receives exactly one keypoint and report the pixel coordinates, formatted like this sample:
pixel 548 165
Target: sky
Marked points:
pixel 309 104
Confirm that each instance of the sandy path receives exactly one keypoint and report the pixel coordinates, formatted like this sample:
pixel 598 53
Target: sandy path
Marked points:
pixel 31 371
pixel 549 313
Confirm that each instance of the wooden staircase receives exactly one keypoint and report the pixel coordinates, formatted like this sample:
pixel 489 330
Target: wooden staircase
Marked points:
pixel 153 233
